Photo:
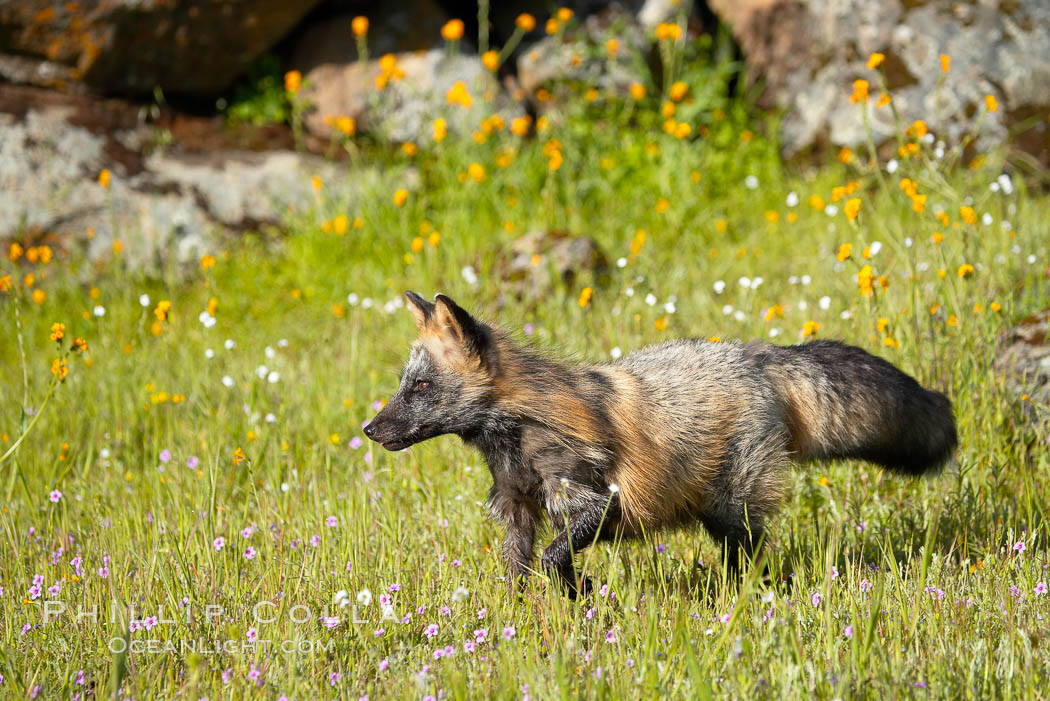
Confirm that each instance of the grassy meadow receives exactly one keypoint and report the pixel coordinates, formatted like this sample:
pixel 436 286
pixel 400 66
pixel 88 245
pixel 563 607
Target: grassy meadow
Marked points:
pixel 189 506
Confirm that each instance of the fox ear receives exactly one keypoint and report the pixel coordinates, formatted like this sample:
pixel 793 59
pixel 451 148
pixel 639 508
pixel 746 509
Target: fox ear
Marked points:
pixel 458 325
pixel 422 310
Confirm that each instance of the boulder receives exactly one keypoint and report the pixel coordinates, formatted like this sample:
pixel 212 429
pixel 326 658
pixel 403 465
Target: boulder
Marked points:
pixel 572 56
pixel 411 100
pixel 807 53
pixel 1024 362
pixel 163 204
pixel 133 46
pixel 540 261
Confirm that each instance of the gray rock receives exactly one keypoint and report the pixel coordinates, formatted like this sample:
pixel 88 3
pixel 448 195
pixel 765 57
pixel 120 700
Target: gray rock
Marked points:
pixel 538 261
pixel 405 109
pixel 1024 361
pixel 572 57
pixel 175 209
pixel 808 53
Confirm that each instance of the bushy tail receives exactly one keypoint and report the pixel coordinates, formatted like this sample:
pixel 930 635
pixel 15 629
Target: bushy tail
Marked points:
pixel 843 402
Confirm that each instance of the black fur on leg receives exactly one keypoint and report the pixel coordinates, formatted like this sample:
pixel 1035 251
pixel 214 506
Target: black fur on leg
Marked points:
pixel 520 519
pixel 584 527
pixel 740 542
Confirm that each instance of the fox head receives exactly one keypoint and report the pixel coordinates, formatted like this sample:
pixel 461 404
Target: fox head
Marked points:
pixel 446 385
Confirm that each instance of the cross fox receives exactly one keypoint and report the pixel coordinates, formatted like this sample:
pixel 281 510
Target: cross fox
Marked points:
pixel 672 434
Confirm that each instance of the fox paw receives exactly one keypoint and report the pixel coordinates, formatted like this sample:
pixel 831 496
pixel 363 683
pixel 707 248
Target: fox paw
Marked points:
pixel 579 588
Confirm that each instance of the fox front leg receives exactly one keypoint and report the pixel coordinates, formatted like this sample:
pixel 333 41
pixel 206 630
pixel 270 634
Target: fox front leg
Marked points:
pixel 519 518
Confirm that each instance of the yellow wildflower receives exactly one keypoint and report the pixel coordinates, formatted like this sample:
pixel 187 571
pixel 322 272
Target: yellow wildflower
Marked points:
pixel 519 126
pixel 459 95
pixel 59 368
pixel 452 30
pixel 860 91
pixel 293 80
pixel 476 172
pixel 852 208
pixel 866 280
pixel 668 30
pixel 347 125
pixel 162 309
pixel 638 242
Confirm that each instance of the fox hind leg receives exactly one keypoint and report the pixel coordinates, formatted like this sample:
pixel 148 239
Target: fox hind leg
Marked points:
pixel 740 538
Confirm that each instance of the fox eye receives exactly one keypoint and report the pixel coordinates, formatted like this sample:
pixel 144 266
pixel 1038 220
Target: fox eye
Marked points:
pixel 421 385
